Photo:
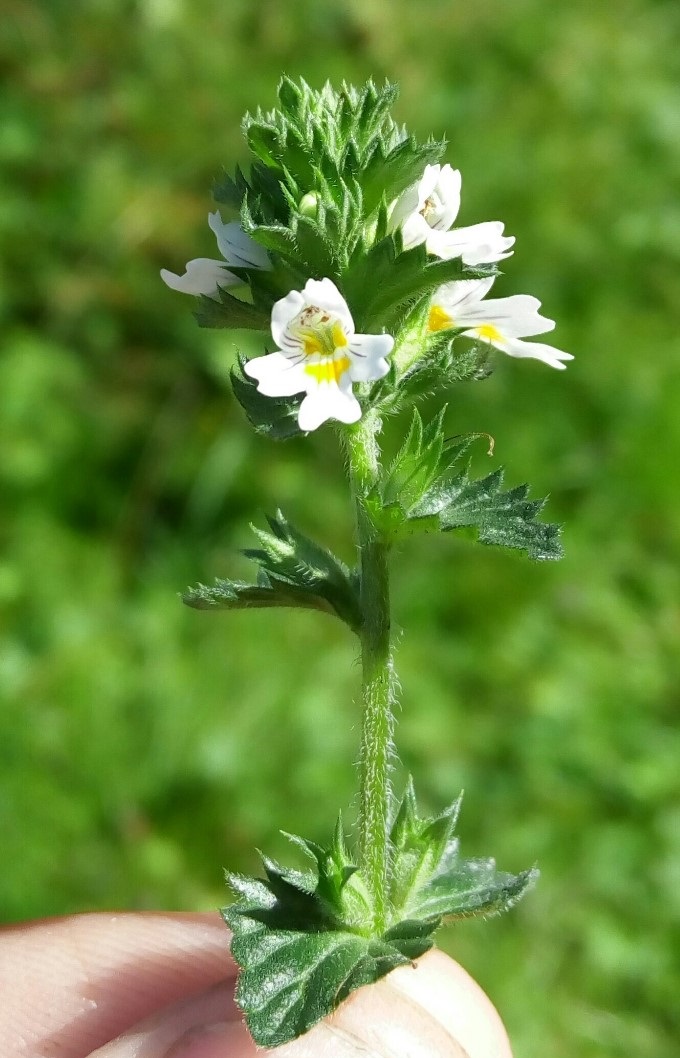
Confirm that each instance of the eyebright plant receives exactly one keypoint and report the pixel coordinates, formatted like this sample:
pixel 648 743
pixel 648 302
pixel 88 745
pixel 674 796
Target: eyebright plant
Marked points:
pixel 346 252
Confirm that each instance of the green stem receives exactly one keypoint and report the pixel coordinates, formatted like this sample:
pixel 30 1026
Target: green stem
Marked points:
pixel 378 675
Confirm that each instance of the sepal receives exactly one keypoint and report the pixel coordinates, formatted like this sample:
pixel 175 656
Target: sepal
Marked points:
pixel 293 571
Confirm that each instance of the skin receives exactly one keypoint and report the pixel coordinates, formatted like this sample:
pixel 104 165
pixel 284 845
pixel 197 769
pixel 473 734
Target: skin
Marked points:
pixel 161 986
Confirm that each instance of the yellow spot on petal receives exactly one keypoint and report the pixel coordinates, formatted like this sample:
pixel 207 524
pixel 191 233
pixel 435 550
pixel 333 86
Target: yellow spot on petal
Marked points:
pixel 438 320
pixel 311 344
pixel 329 370
pixel 339 336
pixel 489 332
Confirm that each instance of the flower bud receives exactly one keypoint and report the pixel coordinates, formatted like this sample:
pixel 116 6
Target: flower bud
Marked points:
pixel 309 204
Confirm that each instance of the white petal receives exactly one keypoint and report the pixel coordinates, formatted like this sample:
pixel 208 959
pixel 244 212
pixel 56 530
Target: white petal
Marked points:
pixel 202 276
pixel 535 351
pixel 516 316
pixel 405 205
pixel 368 352
pixel 277 376
pixel 236 247
pixel 477 244
pixel 448 187
pixel 328 401
pixel 283 312
pixel 411 201
pixel 324 294
pixel 461 298
pixel 428 183
pixel 414 231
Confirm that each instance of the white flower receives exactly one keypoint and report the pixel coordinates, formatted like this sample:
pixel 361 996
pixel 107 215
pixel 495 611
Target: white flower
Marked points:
pixel 503 322
pixel 204 275
pixel 427 210
pixel 319 353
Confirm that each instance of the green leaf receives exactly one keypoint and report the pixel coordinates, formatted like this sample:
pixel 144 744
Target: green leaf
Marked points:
pixel 385 279
pixel 291 979
pixel 442 363
pixel 431 881
pixel 229 190
pixel 422 490
pixel 293 571
pixel 275 417
pixel 389 175
pixel 502 518
pixel 225 310
pixel 305 940
pixel 474 888
pixel 415 467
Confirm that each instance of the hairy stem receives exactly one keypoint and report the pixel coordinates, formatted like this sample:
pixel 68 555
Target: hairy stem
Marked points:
pixel 377 672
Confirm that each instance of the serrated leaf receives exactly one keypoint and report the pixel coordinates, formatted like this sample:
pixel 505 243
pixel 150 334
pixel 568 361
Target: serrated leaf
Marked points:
pixel 224 310
pixel 473 888
pixel 306 940
pixel 389 175
pixel 422 491
pixel 290 980
pixel 415 466
pixel 431 881
pixel 502 518
pixel 293 571
pixel 383 280
pixel 303 948
pixel 275 417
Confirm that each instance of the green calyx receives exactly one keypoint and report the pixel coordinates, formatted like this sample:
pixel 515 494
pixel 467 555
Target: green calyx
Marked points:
pixel 304 938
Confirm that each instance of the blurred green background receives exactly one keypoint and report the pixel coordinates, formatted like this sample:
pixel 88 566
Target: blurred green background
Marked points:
pixel 142 745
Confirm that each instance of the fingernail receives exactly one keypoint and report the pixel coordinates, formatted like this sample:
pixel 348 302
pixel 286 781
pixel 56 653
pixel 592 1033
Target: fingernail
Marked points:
pixel 210 1041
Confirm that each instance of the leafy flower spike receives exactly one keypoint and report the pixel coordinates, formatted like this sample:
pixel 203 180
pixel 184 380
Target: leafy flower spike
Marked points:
pixel 319 353
pixel 426 212
pixel 204 275
pixel 503 322
pixel 338 190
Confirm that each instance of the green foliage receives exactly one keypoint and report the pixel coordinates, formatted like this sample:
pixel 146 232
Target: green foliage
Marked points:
pixel 228 311
pixel 293 572
pixel 328 165
pixel 341 146
pixel 304 939
pixel 274 417
pixel 429 881
pixel 422 490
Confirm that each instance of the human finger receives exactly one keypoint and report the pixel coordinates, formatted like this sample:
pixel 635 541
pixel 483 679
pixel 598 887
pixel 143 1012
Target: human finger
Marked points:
pixel 432 1010
pixel 71 985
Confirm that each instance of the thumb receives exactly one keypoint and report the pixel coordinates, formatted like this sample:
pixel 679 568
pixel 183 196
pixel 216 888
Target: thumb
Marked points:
pixel 434 1010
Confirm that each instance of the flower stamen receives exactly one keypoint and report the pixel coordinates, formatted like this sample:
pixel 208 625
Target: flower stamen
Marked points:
pixel 318 333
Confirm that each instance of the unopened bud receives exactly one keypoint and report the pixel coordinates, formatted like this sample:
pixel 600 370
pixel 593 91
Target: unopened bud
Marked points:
pixel 309 204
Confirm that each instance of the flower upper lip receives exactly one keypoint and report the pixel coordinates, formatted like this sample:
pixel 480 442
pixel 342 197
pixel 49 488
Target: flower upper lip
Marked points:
pixel 206 276
pixel 425 212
